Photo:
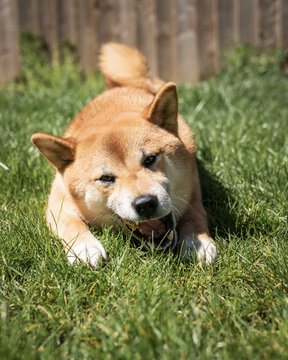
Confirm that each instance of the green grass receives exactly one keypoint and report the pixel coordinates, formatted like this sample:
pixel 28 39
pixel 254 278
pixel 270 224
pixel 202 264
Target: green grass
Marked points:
pixel 141 305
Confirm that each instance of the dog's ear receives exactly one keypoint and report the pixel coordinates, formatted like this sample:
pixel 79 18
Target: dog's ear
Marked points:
pixel 59 151
pixel 164 109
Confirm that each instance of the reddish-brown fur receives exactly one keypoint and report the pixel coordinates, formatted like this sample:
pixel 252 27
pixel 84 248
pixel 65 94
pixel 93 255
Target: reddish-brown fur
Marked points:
pixel 137 115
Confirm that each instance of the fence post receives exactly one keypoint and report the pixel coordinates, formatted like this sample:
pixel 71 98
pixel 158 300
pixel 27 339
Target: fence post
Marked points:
pixel 208 44
pixel 248 21
pixel 48 22
pixel 284 22
pixel 108 20
pixel 67 21
pixel 227 23
pixel 268 23
pixel 88 34
pixel 166 16
pixel 28 14
pixel 147 32
pixel 128 26
pixel 187 51
pixel 9 34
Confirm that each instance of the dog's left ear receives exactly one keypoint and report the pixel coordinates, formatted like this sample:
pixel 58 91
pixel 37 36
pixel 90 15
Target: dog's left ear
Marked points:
pixel 164 109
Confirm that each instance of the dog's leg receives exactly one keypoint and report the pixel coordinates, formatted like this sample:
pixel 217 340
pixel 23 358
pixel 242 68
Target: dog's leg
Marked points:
pixel 64 221
pixel 193 230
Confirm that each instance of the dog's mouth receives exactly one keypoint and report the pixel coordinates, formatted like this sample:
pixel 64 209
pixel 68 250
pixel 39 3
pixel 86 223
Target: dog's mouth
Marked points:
pixel 157 234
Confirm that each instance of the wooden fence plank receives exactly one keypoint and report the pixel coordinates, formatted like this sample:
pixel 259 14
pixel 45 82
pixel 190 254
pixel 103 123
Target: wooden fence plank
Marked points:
pixel 128 26
pixel 278 23
pixel 9 32
pixel 88 41
pixel 284 23
pixel 226 23
pixel 180 38
pixel 166 15
pixel 108 21
pixel 207 37
pixel 28 14
pixel 268 17
pixel 48 24
pixel 187 47
pixel 67 21
pixel 248 21
pixel 147 32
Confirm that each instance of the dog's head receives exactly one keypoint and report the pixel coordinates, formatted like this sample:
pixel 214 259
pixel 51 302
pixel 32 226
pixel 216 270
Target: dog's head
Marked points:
pixel 132 173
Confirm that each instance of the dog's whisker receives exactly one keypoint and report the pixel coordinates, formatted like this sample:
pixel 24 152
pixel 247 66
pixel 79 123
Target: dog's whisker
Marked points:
pixel 184 201
pixel 175 211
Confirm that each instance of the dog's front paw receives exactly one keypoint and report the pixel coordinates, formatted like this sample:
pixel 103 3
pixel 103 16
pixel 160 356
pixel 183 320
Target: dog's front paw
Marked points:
pixel 202 248
pixel 88 251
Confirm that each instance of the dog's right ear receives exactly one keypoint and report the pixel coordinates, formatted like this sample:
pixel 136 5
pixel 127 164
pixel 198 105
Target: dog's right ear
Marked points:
pixel 60 152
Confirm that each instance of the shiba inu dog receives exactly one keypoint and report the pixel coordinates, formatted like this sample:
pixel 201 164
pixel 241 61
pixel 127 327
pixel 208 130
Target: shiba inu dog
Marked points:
pixel 127 159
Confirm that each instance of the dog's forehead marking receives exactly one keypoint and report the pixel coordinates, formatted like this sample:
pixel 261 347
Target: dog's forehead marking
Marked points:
pixel 122 142
pixel 114 145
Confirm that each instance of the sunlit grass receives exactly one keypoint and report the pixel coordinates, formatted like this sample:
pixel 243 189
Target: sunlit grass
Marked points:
pixel 141 305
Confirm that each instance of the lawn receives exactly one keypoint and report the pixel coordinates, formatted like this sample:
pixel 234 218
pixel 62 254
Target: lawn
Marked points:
pixel 148 305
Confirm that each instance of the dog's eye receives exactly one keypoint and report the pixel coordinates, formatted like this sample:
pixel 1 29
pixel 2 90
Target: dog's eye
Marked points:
pixel 149 160
pixel 107 179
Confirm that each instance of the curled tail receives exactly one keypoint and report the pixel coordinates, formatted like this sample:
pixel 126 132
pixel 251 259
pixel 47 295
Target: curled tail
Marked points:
pixel 125 66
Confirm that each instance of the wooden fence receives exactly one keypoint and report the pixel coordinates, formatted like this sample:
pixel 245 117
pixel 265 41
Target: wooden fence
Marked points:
pixel 182 39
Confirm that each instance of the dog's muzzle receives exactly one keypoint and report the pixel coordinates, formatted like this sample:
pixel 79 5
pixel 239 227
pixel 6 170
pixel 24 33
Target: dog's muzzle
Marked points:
pixel 159 234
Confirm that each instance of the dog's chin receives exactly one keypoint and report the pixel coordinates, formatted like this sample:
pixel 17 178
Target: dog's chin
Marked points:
pixel 159 234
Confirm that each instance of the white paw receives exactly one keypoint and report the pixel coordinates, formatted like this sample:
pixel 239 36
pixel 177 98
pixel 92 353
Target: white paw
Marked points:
pixel 203 249
pixel 89 251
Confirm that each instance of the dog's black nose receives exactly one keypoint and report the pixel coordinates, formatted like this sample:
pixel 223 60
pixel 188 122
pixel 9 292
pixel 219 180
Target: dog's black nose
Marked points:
pixel 145 205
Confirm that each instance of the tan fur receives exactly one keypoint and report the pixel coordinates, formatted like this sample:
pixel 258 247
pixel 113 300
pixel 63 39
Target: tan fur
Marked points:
pixel 137 115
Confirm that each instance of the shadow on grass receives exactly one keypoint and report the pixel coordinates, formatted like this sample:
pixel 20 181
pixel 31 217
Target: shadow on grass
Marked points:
pixel 218 202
